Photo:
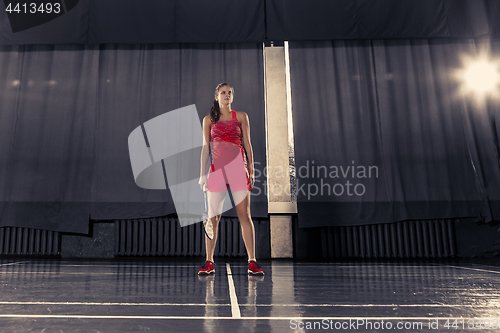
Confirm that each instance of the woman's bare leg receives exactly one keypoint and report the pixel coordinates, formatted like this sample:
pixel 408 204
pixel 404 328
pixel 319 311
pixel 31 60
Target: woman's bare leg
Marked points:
pixel 247 227
pixel 215 203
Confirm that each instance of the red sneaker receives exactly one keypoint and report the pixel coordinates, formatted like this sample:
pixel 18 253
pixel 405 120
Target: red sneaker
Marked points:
pixel 254 269
pixel 207 268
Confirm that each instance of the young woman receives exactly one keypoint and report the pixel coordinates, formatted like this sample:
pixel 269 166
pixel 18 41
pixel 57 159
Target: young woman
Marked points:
pixel 227 132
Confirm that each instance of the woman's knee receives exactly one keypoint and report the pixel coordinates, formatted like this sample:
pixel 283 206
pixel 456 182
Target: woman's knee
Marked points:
pixel 215 220
pixel 245 218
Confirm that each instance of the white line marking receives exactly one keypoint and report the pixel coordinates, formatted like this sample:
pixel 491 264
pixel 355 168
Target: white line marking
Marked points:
pixel 13 263
pixel 475 269
pixel 78 273
pixel 111 304
pixel 235 309
pixel 376 305
pixel 342 265
pixel 127 266
pixel 83 273
pixel 241 318
pixel 257 305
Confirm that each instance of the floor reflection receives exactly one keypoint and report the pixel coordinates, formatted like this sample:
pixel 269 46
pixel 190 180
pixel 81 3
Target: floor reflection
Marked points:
pixel 171 288
pixel 251 300
pixel 210 309
pixel 396 289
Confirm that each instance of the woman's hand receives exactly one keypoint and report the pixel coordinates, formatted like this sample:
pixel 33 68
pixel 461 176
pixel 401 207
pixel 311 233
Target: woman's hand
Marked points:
pixel 251 174
pixel 203 182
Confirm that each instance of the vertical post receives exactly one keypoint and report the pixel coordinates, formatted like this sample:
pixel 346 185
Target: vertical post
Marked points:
pixel 280 206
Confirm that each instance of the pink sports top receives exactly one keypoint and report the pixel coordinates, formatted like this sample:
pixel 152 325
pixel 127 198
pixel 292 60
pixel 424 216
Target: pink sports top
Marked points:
pixel 226 139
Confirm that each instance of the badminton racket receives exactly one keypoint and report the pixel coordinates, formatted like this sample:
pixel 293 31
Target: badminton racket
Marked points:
pixel 207 221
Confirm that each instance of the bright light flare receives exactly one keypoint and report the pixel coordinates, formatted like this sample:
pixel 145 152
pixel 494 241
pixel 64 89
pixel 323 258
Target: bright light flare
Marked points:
pixel 481 77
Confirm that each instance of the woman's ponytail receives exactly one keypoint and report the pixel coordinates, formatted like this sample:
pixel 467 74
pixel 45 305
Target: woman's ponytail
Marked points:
pixel 215 112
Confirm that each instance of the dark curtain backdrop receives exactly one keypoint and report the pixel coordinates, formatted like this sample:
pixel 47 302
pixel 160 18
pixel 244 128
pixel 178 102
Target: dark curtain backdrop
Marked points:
pixel 66 112
pixel 220 21
pixel 135 22
pixel 297 20
pixel 394 107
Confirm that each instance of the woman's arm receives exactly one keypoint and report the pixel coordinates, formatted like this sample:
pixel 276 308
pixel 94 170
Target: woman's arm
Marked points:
pixel 245 129
pixel 205 151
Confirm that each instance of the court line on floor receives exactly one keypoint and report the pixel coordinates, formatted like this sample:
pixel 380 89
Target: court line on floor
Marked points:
pixel 475 269
pixel 13 263
pixel 123 265
pixel 373 305
pixel 111 266
pixel 347 274
pixel 109 304
pixel 59 272
pixel 257 305
pixel 81 273
pixel 132 266
pixel 235 309
pixel 298 318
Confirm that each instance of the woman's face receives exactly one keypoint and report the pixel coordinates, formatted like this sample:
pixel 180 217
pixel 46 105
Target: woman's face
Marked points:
pixel 224 95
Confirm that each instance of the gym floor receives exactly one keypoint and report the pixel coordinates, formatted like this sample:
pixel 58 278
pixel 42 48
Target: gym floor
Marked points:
pixel 167 295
